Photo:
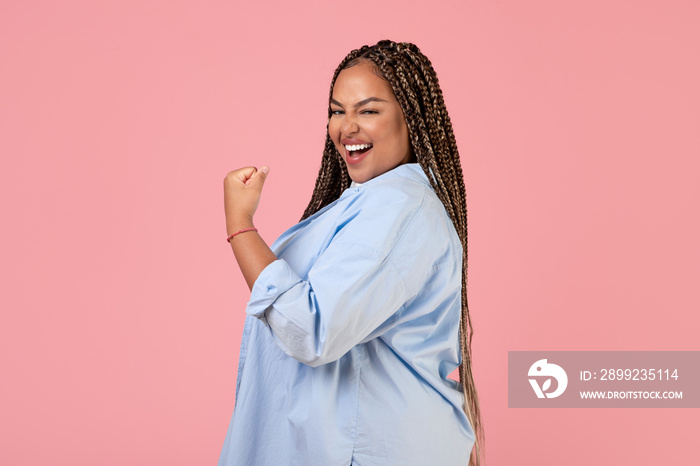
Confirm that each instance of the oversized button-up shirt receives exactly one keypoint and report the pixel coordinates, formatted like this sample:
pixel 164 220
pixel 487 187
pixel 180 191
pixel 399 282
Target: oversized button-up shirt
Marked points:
pixel 350 336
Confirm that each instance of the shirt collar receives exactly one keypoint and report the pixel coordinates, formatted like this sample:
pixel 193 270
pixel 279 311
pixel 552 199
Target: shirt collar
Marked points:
pixel 410 170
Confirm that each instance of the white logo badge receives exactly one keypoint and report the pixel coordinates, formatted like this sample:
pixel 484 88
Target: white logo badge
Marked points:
pixel 542 369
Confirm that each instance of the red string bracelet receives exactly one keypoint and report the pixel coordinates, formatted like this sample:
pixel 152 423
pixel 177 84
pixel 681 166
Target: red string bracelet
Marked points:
pixel 239 232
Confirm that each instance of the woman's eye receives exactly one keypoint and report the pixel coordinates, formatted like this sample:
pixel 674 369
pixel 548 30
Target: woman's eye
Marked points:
pixel 369 112
pixel 337 112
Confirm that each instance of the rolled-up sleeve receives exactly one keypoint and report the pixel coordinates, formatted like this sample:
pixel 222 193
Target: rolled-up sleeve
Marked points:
pixel 274 280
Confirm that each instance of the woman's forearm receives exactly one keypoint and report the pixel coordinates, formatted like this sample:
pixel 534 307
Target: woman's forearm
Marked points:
pixel 252 253
pixel 242 190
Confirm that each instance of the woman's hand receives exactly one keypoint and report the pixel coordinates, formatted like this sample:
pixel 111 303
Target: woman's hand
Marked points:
pixel 242 189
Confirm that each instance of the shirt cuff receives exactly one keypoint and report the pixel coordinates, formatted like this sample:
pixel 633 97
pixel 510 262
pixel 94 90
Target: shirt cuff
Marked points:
pixel 274 280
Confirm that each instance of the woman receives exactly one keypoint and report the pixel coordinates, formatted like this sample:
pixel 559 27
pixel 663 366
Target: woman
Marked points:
pixel 359 313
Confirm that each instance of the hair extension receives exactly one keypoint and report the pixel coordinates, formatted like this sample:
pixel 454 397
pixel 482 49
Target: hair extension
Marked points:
pixel 415 85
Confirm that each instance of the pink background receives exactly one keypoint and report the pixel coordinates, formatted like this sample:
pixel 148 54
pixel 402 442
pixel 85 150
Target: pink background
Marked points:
pixel 122 305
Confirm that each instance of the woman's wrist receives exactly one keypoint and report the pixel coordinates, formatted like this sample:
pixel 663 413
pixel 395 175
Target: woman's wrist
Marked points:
pixel 238 224
pixel 245 230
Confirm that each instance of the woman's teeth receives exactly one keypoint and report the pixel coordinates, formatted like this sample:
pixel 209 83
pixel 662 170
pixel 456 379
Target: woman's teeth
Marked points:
pixel 354 147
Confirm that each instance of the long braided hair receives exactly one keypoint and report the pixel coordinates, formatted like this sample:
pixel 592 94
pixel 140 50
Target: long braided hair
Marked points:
pixel 417 90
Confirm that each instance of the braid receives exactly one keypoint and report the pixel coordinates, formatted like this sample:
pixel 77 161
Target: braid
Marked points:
pixel 417 90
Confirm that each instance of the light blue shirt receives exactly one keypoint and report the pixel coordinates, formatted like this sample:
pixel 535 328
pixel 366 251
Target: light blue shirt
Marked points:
pixel 351 334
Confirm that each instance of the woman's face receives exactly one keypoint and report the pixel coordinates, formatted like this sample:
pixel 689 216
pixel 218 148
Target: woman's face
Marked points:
pixel 367 124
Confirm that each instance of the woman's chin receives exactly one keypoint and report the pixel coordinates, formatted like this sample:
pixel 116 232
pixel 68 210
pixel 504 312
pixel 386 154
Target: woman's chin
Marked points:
pixel 358 176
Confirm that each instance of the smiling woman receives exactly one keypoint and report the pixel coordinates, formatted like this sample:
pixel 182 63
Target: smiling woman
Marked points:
pixel 367 124
pixel 358 313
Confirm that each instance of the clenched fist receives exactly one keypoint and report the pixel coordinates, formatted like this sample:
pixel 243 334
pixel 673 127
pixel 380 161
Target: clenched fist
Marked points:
pixel 242 189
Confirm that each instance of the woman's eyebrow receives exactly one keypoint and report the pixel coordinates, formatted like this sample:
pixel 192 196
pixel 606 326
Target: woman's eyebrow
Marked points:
pixel 361 102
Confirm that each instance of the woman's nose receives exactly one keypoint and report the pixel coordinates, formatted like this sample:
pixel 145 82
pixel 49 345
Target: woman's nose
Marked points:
pixel 349 126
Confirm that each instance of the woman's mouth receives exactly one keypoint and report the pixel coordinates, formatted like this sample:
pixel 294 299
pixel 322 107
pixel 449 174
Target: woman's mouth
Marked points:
pixel 356 152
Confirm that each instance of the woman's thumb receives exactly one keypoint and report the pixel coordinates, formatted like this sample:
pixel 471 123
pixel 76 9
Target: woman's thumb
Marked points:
pixel 260 176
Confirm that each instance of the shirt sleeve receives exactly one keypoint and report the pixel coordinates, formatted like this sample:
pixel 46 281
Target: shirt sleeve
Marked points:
pixel 352 288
